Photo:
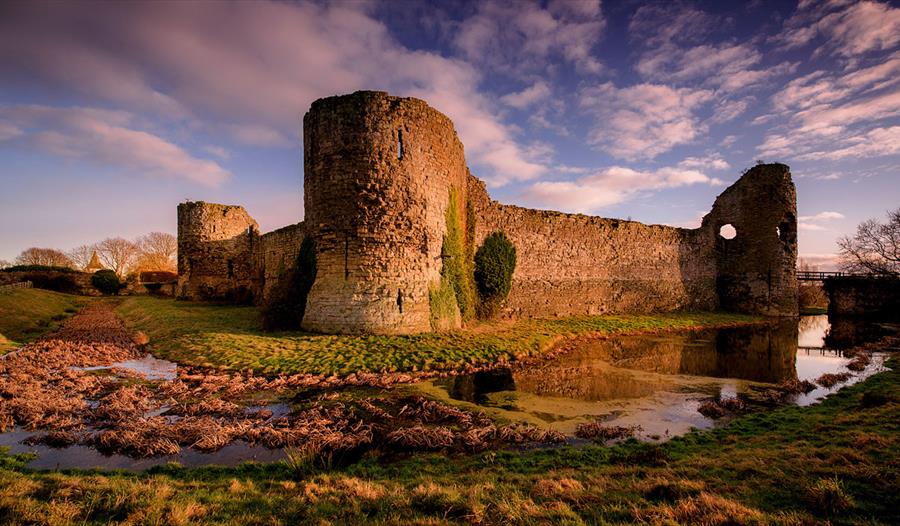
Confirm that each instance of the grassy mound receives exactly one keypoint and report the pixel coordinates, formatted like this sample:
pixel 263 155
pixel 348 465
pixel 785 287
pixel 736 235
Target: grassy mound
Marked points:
pixel 26 314
pixel 231 337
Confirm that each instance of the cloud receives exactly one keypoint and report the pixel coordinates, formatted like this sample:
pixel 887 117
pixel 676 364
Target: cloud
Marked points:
pixel 874 143
pixel 673 52
pixel 712 161
pixel 848 29
pixel 822 216
pixel 810 227
pixel 644 120
pixel 250 70
pixel 218 151
pixel 836 116
pixel 103 136
pixel 517 37
pixel 811 223
pixel 609 186
pixel 531 95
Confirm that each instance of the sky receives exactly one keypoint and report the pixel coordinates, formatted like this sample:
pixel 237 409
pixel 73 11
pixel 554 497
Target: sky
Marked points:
pixel 113 113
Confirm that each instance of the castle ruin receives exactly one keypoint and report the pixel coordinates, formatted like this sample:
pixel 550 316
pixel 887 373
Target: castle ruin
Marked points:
pixel 379 175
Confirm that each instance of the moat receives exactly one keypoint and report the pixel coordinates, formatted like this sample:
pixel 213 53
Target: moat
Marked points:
pixel 656 382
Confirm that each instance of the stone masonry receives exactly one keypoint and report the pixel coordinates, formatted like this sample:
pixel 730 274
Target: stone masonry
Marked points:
pixel 379 172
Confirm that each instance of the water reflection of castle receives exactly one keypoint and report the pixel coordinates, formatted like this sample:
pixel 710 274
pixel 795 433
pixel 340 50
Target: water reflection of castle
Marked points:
pixel 617 368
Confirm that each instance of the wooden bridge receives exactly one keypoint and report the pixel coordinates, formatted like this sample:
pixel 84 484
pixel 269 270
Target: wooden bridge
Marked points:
pixel 815 275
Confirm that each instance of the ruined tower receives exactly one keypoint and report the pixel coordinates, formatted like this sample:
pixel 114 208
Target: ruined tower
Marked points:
pixel 756 270
pixel 378 174
pixel 216 252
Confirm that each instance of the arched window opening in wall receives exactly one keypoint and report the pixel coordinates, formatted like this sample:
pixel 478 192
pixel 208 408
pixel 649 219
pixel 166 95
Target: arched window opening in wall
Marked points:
pixel 230 268
pixel 399 144
pixel 728 231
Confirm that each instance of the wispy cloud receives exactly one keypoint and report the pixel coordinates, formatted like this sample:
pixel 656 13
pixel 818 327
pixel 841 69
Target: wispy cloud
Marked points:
pixel 644 120
pixel 846 29
pixel 608 186
pixel 522 99
pixel 521 37
pixel 202 65
pixel 105 137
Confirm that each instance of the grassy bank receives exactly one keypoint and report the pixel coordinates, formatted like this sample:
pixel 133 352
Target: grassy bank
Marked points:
pixel 26 314
pixel 838 461
pixel 229 337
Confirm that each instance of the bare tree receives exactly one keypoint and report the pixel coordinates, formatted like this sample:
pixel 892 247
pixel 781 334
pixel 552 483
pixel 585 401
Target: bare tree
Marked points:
pixel 4 264
pixel 157 252
pixel 875 249
pixel 117 254
pixel 81 256
pixel 43 256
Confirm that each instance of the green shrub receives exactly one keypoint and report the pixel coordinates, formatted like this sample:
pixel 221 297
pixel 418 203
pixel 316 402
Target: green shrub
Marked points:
pixel 286 305
pixel 106 281
pixel 495 262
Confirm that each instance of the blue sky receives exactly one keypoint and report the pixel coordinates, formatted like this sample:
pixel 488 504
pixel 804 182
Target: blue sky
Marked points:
pixel 111 114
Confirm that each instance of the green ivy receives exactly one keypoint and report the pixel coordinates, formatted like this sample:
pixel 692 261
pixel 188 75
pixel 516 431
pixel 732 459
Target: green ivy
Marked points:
pixel 455 294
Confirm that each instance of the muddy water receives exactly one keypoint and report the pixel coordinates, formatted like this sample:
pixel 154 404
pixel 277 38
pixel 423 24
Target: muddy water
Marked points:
pixel 658 382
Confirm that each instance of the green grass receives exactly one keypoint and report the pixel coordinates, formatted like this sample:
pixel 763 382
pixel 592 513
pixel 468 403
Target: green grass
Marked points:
pixel 229 337
pixel 837 461
pixel 26 314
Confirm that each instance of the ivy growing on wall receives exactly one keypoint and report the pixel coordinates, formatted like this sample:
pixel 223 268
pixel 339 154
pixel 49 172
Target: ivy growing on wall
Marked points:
pixel 454 297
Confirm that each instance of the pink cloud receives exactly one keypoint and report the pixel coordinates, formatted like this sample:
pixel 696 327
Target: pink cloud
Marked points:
pixel 103 136
pixel 644 120
pixel 609 186
pixel 850 29
pixel 515 37
pixel 251 69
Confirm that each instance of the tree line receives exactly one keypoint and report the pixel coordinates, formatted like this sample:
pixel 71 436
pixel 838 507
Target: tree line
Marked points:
pixel 152 252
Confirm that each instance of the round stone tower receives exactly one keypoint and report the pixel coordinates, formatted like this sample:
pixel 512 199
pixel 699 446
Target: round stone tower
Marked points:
pixel 378 174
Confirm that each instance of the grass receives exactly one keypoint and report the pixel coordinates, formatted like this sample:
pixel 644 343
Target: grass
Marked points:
pixel 229 337
pixel 26 314
pixel 837 462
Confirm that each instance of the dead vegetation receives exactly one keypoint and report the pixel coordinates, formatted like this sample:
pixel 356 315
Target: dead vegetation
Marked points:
pixel 598 432
pixel 45 387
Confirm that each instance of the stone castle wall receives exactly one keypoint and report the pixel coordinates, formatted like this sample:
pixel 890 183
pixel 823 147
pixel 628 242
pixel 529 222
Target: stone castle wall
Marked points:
pixel 277 254
pixel 570 264
pixel 379 173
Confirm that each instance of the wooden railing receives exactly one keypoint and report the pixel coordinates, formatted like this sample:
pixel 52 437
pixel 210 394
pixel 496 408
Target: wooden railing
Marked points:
pixel 18 285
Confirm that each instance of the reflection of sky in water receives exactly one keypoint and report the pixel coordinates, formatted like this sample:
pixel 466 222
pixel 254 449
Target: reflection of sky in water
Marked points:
pixel 812 331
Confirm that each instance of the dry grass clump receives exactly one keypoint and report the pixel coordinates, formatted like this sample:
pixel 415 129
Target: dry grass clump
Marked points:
pixel 797 386
pixel 831 379
pixel 565 489
pixel 706 509
pixel 598 432
pixel 829 497
pixel 711 409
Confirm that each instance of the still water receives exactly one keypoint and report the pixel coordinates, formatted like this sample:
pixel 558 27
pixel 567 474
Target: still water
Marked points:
pixel 658 382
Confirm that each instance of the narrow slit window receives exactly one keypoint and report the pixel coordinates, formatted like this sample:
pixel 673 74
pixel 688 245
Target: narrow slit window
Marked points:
pixel 400 300
pixel 399 144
